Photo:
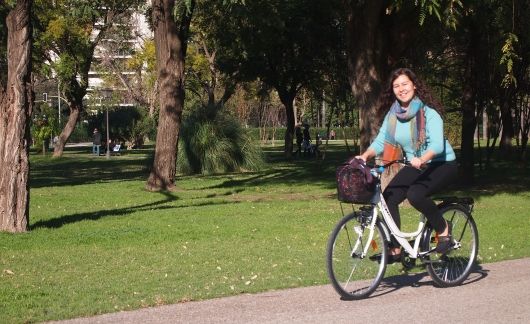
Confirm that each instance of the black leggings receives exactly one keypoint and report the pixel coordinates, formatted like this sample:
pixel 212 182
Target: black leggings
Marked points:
pixel 417 185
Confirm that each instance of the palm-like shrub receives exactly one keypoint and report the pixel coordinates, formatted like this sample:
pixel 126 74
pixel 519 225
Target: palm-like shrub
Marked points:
pixel 215 144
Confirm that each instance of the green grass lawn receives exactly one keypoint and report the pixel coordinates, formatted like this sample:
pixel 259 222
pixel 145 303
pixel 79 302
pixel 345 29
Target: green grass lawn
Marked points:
pixel 100 243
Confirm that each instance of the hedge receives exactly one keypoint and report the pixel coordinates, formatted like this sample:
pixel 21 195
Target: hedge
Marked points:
pixel 279 133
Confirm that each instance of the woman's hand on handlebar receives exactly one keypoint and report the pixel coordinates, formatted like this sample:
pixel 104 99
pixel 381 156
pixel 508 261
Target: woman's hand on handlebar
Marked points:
pixel 416 162
pixel 419 162
pixel 369 153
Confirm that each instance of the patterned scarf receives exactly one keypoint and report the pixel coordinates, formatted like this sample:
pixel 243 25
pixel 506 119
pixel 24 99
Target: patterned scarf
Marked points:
pixel 415 113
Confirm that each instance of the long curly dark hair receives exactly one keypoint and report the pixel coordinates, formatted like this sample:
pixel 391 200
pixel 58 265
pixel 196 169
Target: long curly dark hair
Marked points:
pixel 387 97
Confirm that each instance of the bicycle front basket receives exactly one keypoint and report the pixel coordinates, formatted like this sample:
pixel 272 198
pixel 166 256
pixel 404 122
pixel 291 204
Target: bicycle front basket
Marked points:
pixel 353 184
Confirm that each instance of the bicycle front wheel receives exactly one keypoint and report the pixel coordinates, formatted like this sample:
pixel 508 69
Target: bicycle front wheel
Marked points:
pixel 452 268
pixel 356 263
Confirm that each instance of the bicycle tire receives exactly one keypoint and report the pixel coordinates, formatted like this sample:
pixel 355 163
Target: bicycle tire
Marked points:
pixel 452 268
pixel 352 275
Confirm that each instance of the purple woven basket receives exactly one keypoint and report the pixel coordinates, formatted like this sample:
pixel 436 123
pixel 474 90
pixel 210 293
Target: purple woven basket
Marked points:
pixel 354 183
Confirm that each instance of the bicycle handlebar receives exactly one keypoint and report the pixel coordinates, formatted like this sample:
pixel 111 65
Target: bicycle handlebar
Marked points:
pixel 381 168
pixel 401 161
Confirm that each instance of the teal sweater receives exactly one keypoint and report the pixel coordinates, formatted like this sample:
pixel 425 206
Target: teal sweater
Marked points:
pixel 435 140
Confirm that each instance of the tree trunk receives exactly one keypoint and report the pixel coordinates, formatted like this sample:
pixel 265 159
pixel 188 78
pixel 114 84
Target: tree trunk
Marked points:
pixel 170 55
pixel 67 130
pixel 364 72
pixel 74 90
pixel 374 40
pixel 505 144
pixel 287 100
pixel 484 125
pixel 525 127
pixel 15 112
pixel 468 132
pixel 469 100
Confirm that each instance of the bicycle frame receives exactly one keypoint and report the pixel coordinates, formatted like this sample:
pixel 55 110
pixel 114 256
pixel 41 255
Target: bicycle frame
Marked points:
pixel 401 237
pixel 379 205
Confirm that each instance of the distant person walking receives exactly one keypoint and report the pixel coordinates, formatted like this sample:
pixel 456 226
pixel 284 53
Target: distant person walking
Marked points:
pixel 306 139
pixel 96 142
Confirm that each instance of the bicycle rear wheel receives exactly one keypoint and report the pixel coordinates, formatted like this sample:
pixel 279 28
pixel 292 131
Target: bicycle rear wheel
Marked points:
pixel 452 268
pixel 353 274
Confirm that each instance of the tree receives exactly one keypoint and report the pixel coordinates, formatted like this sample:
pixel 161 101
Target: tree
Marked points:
pixel 15 111
pixel 69 31
pixel 171 23
pixel 211 139
pixel 512 21
pixel 491 48
pixel 282 43
pixel 472 42
pixel 205 80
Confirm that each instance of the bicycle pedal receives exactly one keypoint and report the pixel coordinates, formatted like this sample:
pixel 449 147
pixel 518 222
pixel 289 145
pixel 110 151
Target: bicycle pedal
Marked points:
pixel 408 262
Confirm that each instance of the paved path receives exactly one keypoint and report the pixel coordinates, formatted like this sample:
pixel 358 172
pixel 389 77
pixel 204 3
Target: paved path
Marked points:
pixel 495 293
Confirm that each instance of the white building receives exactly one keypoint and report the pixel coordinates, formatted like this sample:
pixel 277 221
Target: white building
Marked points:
pixel 120 43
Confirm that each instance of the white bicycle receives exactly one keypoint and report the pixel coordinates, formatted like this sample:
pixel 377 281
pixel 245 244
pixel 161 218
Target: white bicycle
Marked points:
pixel 357 249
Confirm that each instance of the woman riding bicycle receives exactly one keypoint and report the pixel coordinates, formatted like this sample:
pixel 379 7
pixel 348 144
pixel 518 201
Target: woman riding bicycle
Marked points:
pixel 413 125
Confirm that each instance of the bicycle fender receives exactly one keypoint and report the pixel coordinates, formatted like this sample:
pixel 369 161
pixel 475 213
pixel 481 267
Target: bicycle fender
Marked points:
pixel 466 202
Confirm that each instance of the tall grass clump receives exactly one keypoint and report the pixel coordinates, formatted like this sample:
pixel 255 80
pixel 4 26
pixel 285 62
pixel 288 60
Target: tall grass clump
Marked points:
pixel 216 143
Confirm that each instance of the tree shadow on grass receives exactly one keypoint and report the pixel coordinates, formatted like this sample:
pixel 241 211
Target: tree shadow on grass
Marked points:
pixel 156 205
pixel 294 173
pixel 502 177
pixel 74 171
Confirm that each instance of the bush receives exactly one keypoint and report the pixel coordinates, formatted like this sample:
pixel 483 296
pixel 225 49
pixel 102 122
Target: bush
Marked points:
pixel 216 145
pixel 43 126
pixel 453 128
pixel 81 133
pixel 41 131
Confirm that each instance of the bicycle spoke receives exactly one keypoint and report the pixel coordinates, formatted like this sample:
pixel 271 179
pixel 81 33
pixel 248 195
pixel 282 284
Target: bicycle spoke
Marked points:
pixel 454 267
pixel 351 275
pixel 348 267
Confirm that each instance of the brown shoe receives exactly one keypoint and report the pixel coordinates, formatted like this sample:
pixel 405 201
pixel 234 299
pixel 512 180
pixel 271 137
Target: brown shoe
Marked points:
pixel 445 242
pixel 393 258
